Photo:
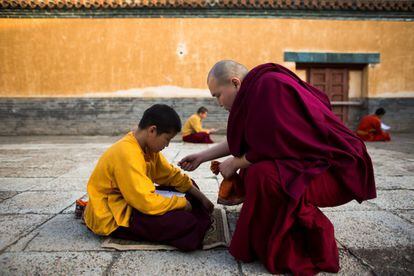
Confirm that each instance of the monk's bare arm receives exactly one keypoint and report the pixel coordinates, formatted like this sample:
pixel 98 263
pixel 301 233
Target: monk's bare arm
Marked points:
pixel 218 151
pixel 192 161
pixel 232 164
pixel 241 163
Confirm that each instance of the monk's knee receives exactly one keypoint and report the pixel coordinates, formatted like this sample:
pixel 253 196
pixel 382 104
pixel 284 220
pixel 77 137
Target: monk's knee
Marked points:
pixel 260 173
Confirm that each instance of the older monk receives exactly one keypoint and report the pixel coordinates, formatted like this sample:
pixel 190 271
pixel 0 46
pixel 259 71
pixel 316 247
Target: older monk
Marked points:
pixel 295 155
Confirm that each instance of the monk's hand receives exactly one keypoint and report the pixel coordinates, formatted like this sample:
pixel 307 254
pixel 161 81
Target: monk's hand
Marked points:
pixel 190 162
pixel 188 206
pixel 228 167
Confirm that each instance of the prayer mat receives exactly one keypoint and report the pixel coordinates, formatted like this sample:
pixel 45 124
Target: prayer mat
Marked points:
pixel 217 235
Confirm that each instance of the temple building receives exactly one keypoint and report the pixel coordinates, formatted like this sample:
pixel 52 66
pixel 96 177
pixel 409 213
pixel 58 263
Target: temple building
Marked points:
pixel 92 66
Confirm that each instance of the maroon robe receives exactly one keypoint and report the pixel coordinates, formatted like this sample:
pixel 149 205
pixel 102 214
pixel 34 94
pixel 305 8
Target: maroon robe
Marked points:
pixel 199 137
pixel 287 130
pixel 182 229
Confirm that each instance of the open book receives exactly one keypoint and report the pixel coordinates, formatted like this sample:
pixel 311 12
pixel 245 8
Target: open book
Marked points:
pixel 169 193
pixel 385 127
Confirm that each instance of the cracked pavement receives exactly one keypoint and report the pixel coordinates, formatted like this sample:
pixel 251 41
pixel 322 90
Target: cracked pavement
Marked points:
pixel 41 177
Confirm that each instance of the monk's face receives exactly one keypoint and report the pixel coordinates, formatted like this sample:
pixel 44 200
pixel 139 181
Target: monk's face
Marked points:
pixel 224 93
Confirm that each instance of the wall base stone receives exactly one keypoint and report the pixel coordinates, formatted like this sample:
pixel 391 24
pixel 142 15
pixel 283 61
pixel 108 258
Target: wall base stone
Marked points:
pixel 115 116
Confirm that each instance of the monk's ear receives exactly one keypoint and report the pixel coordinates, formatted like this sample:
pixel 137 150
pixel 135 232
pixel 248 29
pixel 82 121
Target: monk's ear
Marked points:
pixel 152 129
pixel 236 82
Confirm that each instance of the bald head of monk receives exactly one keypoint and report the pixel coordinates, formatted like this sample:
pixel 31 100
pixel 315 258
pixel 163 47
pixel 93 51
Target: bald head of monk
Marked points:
pixel 224 81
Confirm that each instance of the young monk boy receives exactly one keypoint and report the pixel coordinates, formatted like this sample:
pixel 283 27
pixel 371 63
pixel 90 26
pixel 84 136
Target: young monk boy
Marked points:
pixel 122 196
pixel 193 132
pixel 369 128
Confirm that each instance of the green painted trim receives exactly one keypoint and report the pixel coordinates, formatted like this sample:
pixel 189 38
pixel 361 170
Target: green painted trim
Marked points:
pixel 204 13
pixel 349 58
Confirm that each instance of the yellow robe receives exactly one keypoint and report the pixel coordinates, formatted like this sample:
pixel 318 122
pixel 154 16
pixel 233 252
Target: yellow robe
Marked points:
pixel 124 179
pixel 193 125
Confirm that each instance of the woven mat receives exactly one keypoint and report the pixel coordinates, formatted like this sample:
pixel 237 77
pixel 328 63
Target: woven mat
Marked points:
pixel 217 235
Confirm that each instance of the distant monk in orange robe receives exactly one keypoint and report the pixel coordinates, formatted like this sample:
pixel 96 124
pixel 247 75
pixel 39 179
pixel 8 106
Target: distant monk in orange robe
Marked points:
pixel 193 131
pixel 369 128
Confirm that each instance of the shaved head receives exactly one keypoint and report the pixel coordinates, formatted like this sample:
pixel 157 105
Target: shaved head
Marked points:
pixel 224 70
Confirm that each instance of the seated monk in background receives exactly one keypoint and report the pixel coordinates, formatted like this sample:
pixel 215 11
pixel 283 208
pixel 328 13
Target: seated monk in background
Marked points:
pixel 193 131
pixel 123 201
pixel 369 128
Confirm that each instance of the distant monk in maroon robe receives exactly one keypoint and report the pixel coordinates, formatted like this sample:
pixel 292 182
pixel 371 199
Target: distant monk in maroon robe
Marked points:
pixel 369 128
pixel 295 155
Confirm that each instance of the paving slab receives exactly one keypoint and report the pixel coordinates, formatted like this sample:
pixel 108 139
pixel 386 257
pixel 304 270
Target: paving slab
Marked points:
pixel 39 202
pixel 210 262
pixel 63 184
pixel 213 198
pixel 255 269
pixel 21 183
pixel 387 182
pixel 388 162
pixel 51 174
pixel 349 265
pixel 22 242
pixel 389 261
pixel 38 172
pixel 408 215
pixel 352 206
pixel 232 218
pixel 48 143
pixel 64 233
pixel 12 227
pixel 81 171
pixel 54 263
pixel 170 153
pixel 207 185
pixel 6 194
pixel 394 200
pixel 371 229
pixel 201 173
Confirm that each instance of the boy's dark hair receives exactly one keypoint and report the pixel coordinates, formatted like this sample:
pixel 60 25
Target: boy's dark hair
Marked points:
pixel 380 111
pixel 202 110
pixel 163 117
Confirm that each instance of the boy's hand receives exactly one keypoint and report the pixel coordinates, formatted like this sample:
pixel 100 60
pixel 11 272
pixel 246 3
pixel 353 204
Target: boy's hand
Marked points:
pixel 188 206
pixel 208 205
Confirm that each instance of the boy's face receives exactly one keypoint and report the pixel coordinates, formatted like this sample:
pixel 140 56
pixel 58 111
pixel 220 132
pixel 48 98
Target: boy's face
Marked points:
pixel 203 115
pixel 157 143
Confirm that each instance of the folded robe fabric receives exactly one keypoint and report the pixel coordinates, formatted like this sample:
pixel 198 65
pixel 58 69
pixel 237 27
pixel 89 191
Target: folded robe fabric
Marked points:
pixel 302 157
pixel 277 116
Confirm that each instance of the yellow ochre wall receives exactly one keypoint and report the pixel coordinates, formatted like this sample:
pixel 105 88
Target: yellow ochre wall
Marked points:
pixel 74 57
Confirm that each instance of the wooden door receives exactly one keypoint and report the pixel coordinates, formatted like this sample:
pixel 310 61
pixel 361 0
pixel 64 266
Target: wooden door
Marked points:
pixel 334 82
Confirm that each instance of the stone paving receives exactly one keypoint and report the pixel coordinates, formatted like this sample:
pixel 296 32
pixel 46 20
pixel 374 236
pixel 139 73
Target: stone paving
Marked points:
pixel 40 178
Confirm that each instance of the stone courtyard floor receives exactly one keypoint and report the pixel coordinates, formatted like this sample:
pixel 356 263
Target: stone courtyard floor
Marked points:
pixel 41 177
